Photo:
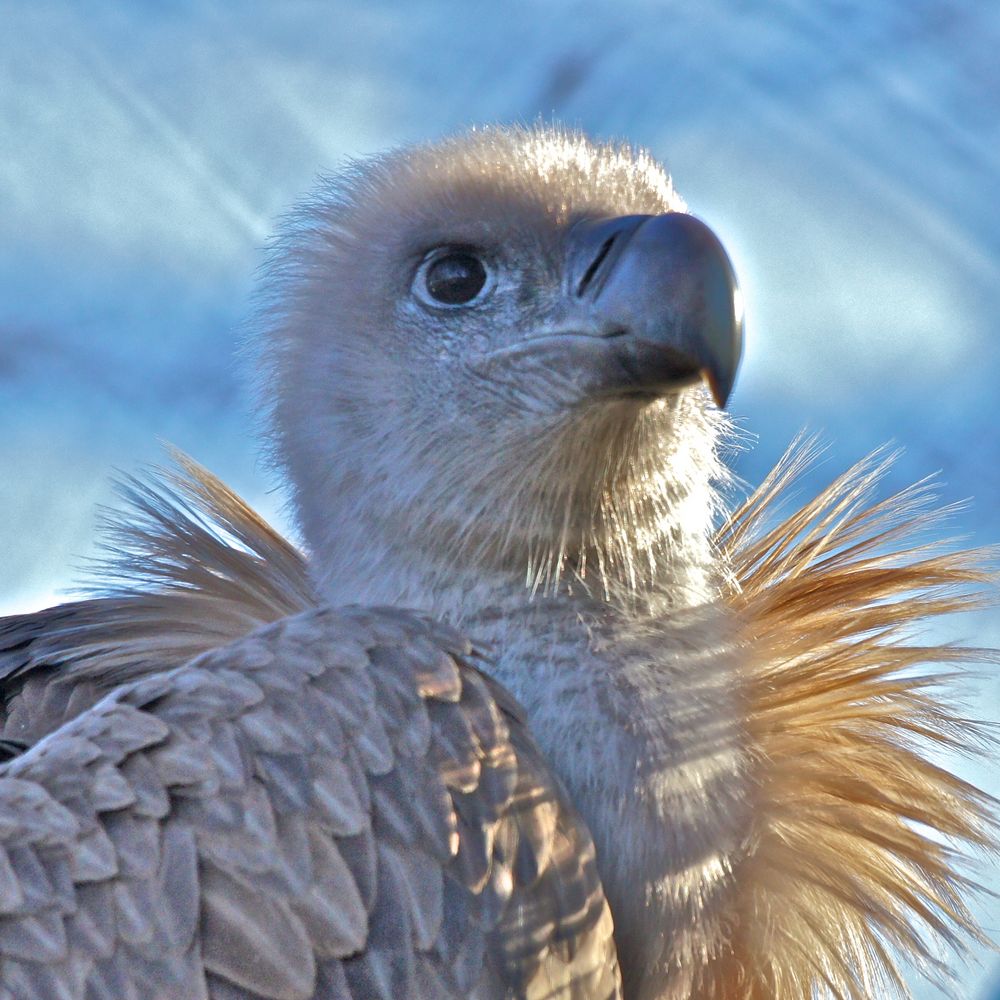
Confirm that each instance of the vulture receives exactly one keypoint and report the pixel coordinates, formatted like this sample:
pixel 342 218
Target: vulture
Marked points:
pixel 537 709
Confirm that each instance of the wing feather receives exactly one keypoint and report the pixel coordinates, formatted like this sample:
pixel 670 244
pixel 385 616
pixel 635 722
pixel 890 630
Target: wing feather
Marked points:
pixel 292 816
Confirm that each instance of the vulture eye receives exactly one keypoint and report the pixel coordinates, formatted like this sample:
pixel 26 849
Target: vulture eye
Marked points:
pixel 452 277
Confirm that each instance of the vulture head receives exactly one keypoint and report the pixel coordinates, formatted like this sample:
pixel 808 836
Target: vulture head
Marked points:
pixel 500 350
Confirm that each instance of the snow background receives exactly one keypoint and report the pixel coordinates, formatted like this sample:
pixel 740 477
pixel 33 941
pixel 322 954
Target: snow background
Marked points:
pixel 848 153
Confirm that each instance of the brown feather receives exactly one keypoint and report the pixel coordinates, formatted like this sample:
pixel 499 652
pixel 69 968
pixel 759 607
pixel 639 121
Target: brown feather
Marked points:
pixel 859 841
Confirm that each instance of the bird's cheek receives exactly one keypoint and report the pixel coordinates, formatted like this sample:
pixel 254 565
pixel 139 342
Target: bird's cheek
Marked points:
pixel 532 379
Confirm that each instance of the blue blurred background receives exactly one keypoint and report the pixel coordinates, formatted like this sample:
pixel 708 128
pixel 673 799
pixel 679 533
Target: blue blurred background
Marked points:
pixel 847 152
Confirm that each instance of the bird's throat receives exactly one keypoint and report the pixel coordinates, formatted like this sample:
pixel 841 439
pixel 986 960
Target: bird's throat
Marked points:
pixel 641 717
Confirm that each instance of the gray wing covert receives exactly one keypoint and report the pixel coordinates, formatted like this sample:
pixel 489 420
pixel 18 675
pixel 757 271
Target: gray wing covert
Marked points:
pixel 338 806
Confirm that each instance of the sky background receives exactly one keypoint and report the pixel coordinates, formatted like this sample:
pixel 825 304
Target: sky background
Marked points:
pixel 848 154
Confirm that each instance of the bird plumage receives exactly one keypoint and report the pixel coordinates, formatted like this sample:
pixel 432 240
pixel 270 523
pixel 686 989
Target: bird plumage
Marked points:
pixel 334 806
pixel 835 878
pixel 737 716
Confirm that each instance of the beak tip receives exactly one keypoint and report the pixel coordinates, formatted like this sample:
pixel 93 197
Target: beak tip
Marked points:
pixel 720 384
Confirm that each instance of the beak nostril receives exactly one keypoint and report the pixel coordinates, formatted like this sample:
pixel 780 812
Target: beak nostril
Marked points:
pixel 588 276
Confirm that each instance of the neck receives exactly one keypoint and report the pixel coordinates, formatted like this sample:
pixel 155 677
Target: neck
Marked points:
pixel 616 501
pixel 380 573
pixel 642 719
pixel 638 536
pixel 627 681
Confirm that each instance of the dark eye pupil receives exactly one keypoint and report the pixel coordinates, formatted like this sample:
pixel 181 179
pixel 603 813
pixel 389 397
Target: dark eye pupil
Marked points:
pixel 456 278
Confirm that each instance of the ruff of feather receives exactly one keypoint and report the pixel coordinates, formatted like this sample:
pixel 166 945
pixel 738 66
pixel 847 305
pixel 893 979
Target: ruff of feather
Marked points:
pixel 860 843
pixel 189 567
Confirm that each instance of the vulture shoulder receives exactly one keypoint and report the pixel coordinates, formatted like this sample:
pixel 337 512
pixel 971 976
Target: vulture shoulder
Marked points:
pixel 337 804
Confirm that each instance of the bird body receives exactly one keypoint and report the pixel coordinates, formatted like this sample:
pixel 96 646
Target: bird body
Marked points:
pixel 480 365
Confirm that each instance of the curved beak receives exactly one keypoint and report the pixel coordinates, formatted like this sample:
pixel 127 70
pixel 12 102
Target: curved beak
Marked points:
pixel 663 289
